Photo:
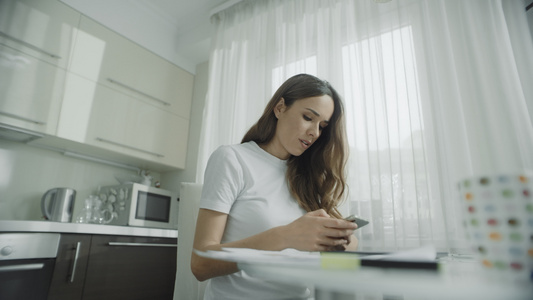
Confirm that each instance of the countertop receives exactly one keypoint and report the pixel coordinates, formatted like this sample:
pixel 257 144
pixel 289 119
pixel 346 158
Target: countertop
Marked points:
pixel 58 227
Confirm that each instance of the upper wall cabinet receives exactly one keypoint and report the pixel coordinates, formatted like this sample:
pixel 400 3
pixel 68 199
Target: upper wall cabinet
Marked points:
pixel 90 90
pixel 96 115
pixel 30 91
pixel 112 60
pixel 42 29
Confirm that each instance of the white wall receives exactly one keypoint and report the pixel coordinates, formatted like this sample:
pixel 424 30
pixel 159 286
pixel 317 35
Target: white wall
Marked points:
pixel 27 172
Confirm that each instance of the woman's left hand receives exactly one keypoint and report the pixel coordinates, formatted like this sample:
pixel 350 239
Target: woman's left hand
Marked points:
pixel 352 244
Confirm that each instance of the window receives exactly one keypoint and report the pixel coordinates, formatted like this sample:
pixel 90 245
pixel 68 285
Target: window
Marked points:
pixel 387 168
pixel 282 73
pixel 387 171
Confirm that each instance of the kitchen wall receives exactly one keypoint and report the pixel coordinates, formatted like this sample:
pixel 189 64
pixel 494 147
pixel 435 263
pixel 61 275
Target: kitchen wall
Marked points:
pixel 27 172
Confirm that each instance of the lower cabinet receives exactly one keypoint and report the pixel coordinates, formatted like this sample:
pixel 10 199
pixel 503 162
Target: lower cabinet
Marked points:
pixel 114 267
pixel 131 268
pixel 69 271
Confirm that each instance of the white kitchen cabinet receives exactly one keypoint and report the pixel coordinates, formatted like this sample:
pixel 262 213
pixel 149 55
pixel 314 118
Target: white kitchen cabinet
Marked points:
pixel 96 115
pixel 30 91
pixel 42 29
pixel 90 90
pixel 103 56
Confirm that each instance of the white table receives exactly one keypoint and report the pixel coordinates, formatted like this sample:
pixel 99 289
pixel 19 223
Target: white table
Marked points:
pixel 454 280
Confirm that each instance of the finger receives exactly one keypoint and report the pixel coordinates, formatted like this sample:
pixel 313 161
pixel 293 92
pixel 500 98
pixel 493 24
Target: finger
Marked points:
pixel 322 248
pixel 337 248
pixel 333 242
pixel 340 224
pixel 337 233
pixel 340 247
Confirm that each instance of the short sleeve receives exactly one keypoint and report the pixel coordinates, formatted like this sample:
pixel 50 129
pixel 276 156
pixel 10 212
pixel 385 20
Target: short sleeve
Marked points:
pixel 223 180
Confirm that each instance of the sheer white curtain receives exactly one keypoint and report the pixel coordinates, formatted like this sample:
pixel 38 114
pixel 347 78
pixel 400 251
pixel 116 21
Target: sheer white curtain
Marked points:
pixel 433 90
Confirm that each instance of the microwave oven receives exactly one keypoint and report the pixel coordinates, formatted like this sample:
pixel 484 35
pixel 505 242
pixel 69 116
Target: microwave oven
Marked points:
pixel 135 204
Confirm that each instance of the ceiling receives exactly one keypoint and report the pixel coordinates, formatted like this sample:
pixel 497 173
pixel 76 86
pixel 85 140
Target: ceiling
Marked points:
pixel 178 30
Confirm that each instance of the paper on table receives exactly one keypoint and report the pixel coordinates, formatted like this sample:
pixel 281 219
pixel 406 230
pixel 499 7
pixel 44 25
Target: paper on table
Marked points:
pixel 245 255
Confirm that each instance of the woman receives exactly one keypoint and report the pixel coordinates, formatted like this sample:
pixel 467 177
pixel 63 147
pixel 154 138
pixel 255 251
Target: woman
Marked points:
pixel 278 189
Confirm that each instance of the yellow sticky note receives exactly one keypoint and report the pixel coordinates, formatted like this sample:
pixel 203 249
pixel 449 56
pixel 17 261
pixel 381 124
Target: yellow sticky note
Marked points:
pixel 339 261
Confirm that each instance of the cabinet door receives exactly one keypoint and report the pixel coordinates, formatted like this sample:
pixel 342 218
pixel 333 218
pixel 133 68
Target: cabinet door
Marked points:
pixel 103 56
pixel 30 91
pixel 125 125
pixel 131 268
pixel 100 116
pixel 70 267
pixel 43 29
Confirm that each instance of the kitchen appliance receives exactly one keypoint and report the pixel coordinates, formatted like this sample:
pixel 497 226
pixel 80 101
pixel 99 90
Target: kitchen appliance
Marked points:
pixel 140 205
pixel 26 264
pixel 57 204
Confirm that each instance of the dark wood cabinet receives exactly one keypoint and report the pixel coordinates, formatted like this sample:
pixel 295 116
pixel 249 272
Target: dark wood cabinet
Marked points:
pixel 70 266
pixel 122 267
pixel 115 267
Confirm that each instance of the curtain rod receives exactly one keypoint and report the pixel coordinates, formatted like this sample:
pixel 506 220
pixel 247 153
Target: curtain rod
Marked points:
pixel 230 3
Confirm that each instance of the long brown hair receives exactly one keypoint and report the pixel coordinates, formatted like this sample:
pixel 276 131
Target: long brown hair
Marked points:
pixel 316 178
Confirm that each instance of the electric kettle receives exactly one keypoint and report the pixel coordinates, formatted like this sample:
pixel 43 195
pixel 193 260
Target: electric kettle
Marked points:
pixel 57 204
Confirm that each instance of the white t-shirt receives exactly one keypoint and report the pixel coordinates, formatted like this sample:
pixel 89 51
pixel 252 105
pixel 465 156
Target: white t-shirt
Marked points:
pixel 249 185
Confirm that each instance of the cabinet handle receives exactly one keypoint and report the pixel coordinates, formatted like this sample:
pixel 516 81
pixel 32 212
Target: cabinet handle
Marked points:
pixel 76 256
pixel 34 135
pixel 141 244
pixel 22 118
pixel 25 267
pixel 129 147
pixel 137 91
pixel 29 45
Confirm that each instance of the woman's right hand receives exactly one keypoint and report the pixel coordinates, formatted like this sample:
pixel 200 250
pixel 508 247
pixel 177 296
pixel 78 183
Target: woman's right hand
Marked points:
pixel 317 231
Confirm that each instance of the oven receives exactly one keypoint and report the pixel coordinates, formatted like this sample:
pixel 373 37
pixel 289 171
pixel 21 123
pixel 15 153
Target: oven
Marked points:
pixel 26 264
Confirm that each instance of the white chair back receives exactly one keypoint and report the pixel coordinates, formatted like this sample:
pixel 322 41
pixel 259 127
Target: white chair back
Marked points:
pixel 187 287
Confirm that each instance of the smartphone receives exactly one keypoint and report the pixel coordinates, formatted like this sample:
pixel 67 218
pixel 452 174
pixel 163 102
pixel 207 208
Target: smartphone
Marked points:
pixel 360 222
